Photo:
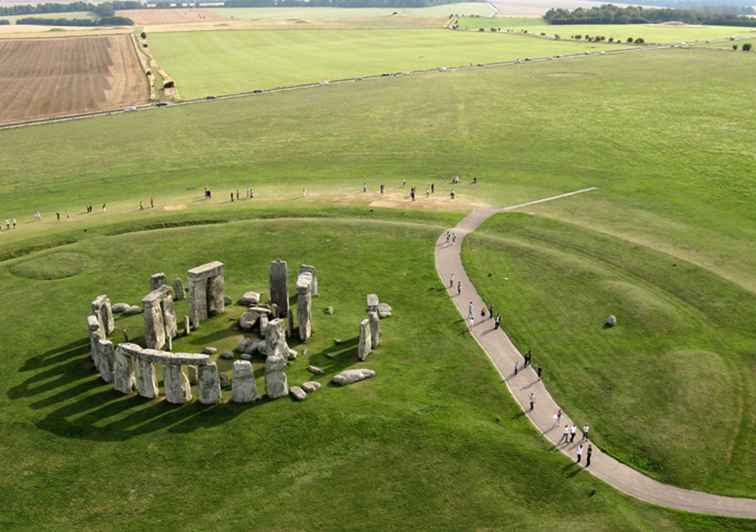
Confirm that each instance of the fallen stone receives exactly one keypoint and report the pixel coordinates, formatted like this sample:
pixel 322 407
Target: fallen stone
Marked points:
pixel 243 386
pixel 210 350
pixel 298 393
pixel 249 298
pixel 311 386
pixel 245 356
pixel 250 345
pixel 227 355
pixel 315 370
pixel 350 376
pixel 133 310
pixel 120 308
pixel 248 320
pixel 384 310
pixel 611 321
pixel 329 310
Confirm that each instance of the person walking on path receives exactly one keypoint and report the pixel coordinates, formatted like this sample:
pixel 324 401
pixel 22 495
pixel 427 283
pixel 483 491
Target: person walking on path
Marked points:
pixel 557 416
pixel 588 455
pixel 472 321
pixel 490 312
pixel 573 431
pixel 515 369
pixel 565 435
pixel 532 401
pixel 451 281
pixel 579 452
pixel 586 430
pixel 454 238
pixel 459 288
pixel 538 371
pixel 497 322
pixel 470 310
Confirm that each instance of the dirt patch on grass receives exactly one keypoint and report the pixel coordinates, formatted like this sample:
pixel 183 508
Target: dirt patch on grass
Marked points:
pixel 146 17
pixel 57 77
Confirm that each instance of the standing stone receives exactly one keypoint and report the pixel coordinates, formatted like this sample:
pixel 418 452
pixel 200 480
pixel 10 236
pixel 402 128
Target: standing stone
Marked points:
pixel 312 270
pixel 243 386
pixel 375 329
pixel 154 326
pixel 177 388
pixel 275 339
pixel 124 379
pixel 106 359
pixel 192 374
pixel 372 303
pixel 365 343
pixel 304 305
pixel 206 291
pixel 169 316
pixel 157 280
pixel 216 298
pixel 178 289
pixel 102 308
pixel 279 287
pixel 276 382
pixel 95 333
pixel 187 326
pixel 146 383
pixel 209 384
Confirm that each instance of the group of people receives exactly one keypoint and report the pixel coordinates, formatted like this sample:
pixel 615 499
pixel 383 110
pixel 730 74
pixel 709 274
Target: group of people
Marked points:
pixel 568 436
pixel 10 223
pixel 429 189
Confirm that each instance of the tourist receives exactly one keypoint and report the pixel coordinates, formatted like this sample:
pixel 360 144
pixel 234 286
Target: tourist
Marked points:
pixel 475 180
pixel 38 216
pixel 497 322
pixel 412 193
pixel 141 207
pixel 532 401
pixel 382 188
pixel 459 288
pixel 57 215
pixel 433 188
pixel 13 221
pixel 470 310
pixel 538 371
pixel 565 435
pixel 452 195
pixel 364 187
pixel 448 236
pixel 152 203
pixel 472 321
pixel 588 455
pixel 573 431
pixel 104 207
pixel 451 281
pixel 454 238
pixel 483 312
pixel 237 194
pixel 515 370
pixel 490 312
pixel 579 452
pixel 586 430
pixel 558 416
pixel 232 197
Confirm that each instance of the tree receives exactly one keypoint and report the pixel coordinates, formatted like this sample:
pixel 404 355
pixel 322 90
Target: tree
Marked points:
pixel 735 47
pixel 746 47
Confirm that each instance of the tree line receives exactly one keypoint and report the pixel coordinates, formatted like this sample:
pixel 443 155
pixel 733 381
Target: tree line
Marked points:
pixel 79 22
pixel 99 9
pixel 611 14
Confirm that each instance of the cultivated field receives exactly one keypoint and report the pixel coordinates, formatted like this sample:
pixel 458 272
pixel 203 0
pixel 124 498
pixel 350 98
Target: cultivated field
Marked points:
pixel 651 33
pixel 218 62
pixel 56 77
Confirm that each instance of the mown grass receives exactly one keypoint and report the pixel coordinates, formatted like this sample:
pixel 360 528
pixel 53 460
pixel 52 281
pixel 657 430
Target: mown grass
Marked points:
pixel 671 389
pixel 651 33
pixel 217 62
pixel 433 442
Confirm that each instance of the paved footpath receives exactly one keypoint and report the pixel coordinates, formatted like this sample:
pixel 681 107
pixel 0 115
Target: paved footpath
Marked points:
pixel 504 355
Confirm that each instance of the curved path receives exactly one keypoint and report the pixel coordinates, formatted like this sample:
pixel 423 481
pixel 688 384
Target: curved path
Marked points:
pixel 504 355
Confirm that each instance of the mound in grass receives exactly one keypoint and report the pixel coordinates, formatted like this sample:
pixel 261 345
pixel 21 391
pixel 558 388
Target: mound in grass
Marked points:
pixel 48 267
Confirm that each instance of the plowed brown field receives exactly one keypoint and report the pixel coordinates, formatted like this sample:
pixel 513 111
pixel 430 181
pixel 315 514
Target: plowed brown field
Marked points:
pixel 57 77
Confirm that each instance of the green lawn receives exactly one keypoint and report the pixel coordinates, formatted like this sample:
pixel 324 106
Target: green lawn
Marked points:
pixel 651 33
pixel 217 62
pixel 332 13
pixel 433 442
pixel 681 360
pixel 662 133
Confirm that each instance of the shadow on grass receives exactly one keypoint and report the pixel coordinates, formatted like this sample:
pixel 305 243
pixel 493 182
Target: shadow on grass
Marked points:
pixel 337 357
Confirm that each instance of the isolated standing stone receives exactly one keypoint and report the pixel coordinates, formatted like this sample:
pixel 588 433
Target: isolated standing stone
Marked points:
pixel 243 386
pixel 178 289
pixel 350 376
pixel 209 384
pixel 177 388
pixel 157 280
pixel 314 272
pixel 375 329
pixel 146 378
pixel 276 383
pixel 124 379
pixel 364 345
pixel 279 287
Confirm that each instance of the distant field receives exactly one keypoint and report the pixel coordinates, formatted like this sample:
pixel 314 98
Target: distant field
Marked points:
pixel 54 77
pixel 652 33
pixel 306 13
pixel 217 62
pixel 72 15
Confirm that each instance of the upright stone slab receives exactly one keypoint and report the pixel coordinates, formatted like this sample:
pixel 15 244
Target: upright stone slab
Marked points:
pixel 276 382
pixel 95 333
pixel 275 339
pixel 372 302
pixel 124 379
pixel 312 270
pixel 106 359
pixel 206 291
pixel 304 305
pixel 169 315
pixel 177 388
pixel 364 345
pixel 209 384
pixel 279 287
pixel 243 386
pixel 157 280
pixel 102 308
pixel 375 329
pixel 178 289
pixel 192 373
pixel 154 326
pixel 146 383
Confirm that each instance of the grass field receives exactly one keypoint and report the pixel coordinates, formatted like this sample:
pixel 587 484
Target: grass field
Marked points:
pixel 315 13
pixel 78 455
pixel 686 363
pixel 216 62
pixel 651 33
pixel 526 132
pixel 72 15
